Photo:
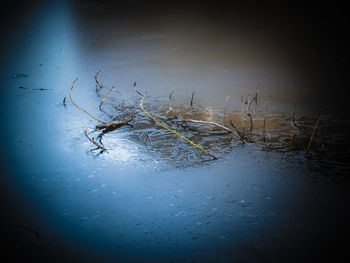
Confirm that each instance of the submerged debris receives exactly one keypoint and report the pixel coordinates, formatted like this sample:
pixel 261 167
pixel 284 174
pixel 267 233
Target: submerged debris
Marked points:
pixel 209 131
pixel 112 125
pixel 181 136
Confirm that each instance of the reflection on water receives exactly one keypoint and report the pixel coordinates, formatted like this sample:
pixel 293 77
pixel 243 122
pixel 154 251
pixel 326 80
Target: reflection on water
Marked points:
pixel 152 197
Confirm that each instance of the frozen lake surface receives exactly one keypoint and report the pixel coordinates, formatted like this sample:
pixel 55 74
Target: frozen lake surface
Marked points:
pixel 152 197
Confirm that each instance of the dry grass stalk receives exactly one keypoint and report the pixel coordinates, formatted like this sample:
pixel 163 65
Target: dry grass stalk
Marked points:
pixel 165 126
pixel 83 110
pixel 105 97
pixel 208 123
pixel 98 84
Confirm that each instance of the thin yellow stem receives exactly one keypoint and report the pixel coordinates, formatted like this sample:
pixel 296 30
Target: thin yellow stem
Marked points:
pixel 165 126
pixel 83 110
pixel 110 89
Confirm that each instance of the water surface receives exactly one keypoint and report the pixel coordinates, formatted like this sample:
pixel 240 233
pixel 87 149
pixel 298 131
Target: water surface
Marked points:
pixel 152 197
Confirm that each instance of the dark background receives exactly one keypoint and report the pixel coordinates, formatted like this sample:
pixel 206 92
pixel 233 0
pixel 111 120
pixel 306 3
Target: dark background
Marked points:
pixel 315 33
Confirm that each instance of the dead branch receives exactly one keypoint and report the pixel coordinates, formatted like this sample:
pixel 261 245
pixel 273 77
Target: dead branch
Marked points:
pixel 113 124
pixel 92 140
pixel 100 139
pixel 242 137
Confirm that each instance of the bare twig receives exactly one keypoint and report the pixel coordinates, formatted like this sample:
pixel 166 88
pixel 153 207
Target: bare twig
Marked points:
pixel 137 90
pixel 255 98
pixel 249 113
pixel 100 139
pixel 171 95
pixel 251 121
pixel 96 80
pixel 83 110
pixel 170 104
pixel 242 137
pixel 98 84
pixel 92 140
pixel 208 123
pixel 105 97
pixel 294 122
pixel 192 99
